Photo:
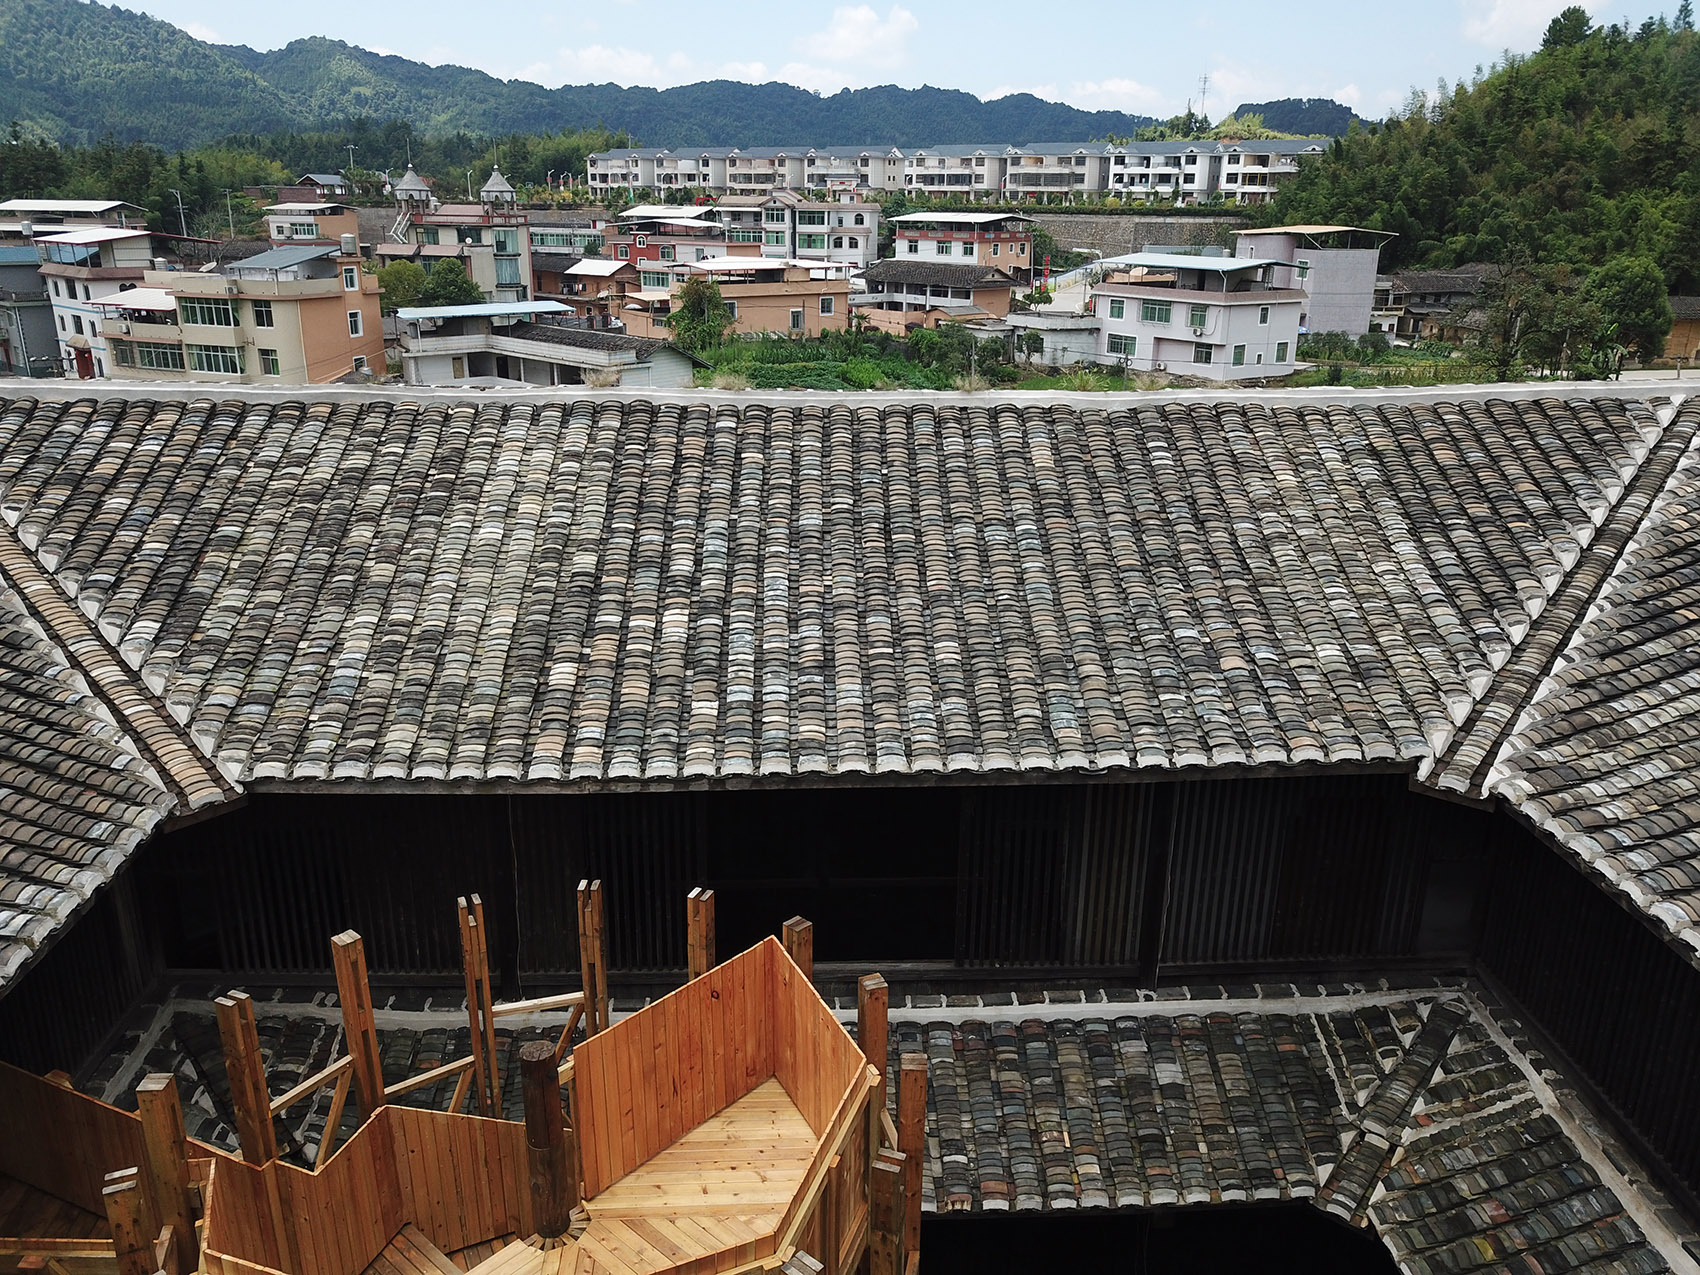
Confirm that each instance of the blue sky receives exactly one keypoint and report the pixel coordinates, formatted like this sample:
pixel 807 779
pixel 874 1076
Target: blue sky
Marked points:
pixel 1096 54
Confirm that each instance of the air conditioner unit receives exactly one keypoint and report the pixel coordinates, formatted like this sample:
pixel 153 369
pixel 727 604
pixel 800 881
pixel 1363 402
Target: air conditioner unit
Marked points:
pixel 124 328
pixel 231 289
pixel 1198 331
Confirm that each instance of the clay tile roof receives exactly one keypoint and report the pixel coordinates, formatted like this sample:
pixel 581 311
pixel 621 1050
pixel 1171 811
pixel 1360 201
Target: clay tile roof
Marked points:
pixel 942 273
pixel 586 591
pixel 1606 759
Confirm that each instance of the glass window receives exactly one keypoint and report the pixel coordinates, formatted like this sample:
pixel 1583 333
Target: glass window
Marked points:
pixel 774 214
pixel 351 278
pixel 623 253
pixel 215 312
pixel 506 240
pixel 121 352
pixel 507 272
pixel 1262 314
pixel 1303 271
pixel 224 359
pixel 1154 311
pixel 1201 353
pixel 1239 356
pixel 77 324
pixel 1280 351
pixel 860 220
pixel 159 356
pixel 796 320
pixel 774 238
pixel 667 253
pixel 469 234
pixel 356 325
pixel 654 279
pixel 1199 316
pixel 56 287
pixel 732 310
pixel 838 241
pixel 263 315
pixel 1119 344
pixel 855 242
pixel 995 248
pixel 945 248
pixel 86 296
pixel 428 234
pixel 811 218
pixel 1118 308
pixel 826 305
pixel 914 245
pixel 303 229
pixel 269 364
pixel 811 241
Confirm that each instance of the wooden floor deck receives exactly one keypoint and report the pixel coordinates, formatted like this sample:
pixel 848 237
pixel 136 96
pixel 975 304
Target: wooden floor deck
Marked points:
pixel 33 1221
pixel 410 1253
pixel 703 1203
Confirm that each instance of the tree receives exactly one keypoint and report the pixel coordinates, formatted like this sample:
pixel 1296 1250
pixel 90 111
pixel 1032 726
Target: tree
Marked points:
pixel 1684 19
pixel 1631 296
pixel 448 284
pixel 403 282
pixel 1572 26
pixel 1030 343
pixel 700 318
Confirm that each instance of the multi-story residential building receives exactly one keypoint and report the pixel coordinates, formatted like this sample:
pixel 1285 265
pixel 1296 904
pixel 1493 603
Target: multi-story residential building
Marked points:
pixel 81 268
pixel 593 287
pixel 788 225
pixel 1335 266
pixel 1417 305
pixel 491 239
pixel 310 223
pixel 1000 240
pixel 27 343
pixel 764 294
pixel 532 343
pixel 901 293
pixel 660 233
pixel 300 315
pixel 572 233
pixel 1215 317
pixel 22 218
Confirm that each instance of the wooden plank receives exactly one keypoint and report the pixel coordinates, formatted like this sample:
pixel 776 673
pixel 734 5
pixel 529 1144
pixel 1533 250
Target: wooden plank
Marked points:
pixel 333 1117
pixel 873 1000
pixel 799 939
pixel 348 954
pixel 424 1078
pixel 912 1141
pixel 593 957
pixel 886 1210
pixel 245 1069
pixel 165 1156
pixel 127 1215
pixel 539 1004
pixel 699 915
pixel 289 1097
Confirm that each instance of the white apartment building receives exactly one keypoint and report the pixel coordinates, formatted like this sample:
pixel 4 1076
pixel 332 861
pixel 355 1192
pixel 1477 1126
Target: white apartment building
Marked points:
pixel 1001 240
pixel 83 267
pixel 784 224
pixel 1214 317
pixel 1335 266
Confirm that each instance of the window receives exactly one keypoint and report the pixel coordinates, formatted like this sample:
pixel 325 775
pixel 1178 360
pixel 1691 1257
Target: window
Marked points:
pixel 506 241
pixel 838 241
pixel 350 279
pixel 1239 356
pixel 1280 351
pixel 302 230
pixel 623 253
pixel 860 220
pixel 61 323
pixel 796 320
pixel 1303 272
pixel 507 272
pixel 732 311
pixel 359 362
pixel 1125 345
pixel 642 241
pixel 428 234
pixel 744 236
pixel 774 238
pixel 1021 250
pixel 469 234
pixel 356 326
pixel 775 214
pixel 224 359
pixel 99 368
pixel 1263 315
pixel 811 241
pixel 1201 353
pixel 667 253
pixel 945 248
pixel 269 364
pixel 1118 308
pixel 826 305
pixel 995 248
pixel 263 315
pixel 86 296
pixel 213 312
pixel 121 352
pixel 650 279
pixel 914 245
pixel 1198 316
pixel 1154 311
pixel 811 219
pixel 56 287
pixel 77 324
pixel 157 355
pixel 855 242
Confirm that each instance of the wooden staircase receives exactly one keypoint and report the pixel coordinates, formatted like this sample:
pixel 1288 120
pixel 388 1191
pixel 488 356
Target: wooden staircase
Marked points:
pixel 411 1253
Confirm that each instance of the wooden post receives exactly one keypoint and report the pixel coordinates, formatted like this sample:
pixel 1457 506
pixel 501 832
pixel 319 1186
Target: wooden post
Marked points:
pixel 475 961
pixel 592 957
pixel 549 1152
pixel 246 1072
pixel 885 1219
pixel 166 1154
pixel 348 954
pixel 912 1141
pixel 873 1000
pixel 699 914
pixel 126 1214
pixel 799 939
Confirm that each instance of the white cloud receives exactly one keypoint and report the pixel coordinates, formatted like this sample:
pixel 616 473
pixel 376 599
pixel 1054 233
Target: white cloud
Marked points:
pixel 1114 95
pixel 600 64
pixel 1516 24
pixel 201 32
pixel 857 35
pixel 1348 95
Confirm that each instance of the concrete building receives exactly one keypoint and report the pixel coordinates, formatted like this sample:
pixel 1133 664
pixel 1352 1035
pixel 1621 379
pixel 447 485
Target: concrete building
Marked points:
pixel 1215 317
pixel 663 233
pixel 789 225
pixel 531 343
pixel 1003 241
pixel 903 292
pixel 82 268
pixel 304 223
pixel 28 346
pixel 765 295
pixel 591 287
pixel 304 315
pixel 1335 266
pixel 491 239
pixel 45 215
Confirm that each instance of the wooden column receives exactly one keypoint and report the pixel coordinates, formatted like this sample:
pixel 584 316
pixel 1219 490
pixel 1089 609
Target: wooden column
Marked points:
pixel 885 1218
pixel 912 1141
pixel 548 1143
pixel 873 1000
pixel 246 1072
pixel 475 961
pixel 127 1215
pixel 348 954
pixel 166 1153
pixel 699 914
pixel 592 957
pixel 799 939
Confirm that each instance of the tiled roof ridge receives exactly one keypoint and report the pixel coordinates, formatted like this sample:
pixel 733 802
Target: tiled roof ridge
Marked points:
pixel 1465 766
pixel 131 707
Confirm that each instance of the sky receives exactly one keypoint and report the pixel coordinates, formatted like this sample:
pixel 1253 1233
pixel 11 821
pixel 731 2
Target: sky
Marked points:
pixel 1132 56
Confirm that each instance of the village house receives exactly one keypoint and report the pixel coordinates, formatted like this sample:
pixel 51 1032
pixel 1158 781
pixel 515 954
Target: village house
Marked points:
pixel 310 223
pixel 1003 241
pixel 1336 267
pixel 491 239
pixel 900 293
pixel 28 342
pixel 82 268
pixel 661 233
pixel 840 231
pixel 1684 339
pixel 763 295
pixel 1216 317
pixel 591 286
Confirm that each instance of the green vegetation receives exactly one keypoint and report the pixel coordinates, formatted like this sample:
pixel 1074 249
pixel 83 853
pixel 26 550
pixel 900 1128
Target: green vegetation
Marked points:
pixel 700 316
pixel 930 359
pixel 403 283
pixel 1302 116
pixel 448 284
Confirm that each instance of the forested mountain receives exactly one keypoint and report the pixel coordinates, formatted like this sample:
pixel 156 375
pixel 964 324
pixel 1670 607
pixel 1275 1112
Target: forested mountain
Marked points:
pixel 79 71
pixel 1301 116
pixel 1583 152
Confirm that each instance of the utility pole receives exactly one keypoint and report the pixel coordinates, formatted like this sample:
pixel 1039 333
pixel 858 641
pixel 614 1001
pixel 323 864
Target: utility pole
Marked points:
pixel 182 217
pixel 350 147
pixel 229 214
pixel 469 185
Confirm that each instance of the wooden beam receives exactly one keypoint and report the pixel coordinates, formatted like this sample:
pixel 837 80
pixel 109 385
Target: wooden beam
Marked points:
pixel 548 1146
pixel 246 1072
pixel 289 1097
pixel 799 938
pixel 429 1077
pixel 333 1117
pixel 538 1004
pixel 801 1264
pixel 165 1154
pixel 885 1219
pixel 475 960
pixel 592 956
pixel 912 1141
pixel 167 1251
pixel 873 1003
pixel 699 918
pixel 126 1214
pixel 348 954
